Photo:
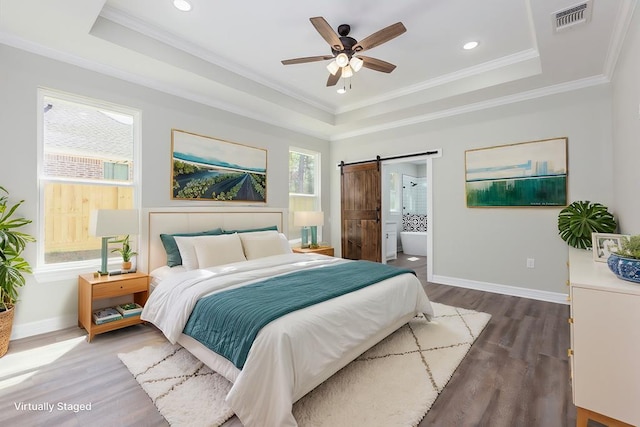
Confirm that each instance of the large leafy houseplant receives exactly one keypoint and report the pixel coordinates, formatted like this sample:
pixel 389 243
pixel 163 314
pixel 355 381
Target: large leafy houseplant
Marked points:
pixel 12 265
pixel 577 221
pixel 12 243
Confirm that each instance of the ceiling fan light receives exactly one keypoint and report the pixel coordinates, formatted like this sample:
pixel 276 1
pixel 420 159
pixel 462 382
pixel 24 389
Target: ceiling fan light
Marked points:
pixel 182 5
pixel 342 90
pixel 342 60
pixel 356 63
pixel 333 67
pixel 347 72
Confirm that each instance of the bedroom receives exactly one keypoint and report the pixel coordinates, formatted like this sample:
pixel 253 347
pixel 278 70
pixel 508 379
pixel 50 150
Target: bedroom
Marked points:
pixel 600 120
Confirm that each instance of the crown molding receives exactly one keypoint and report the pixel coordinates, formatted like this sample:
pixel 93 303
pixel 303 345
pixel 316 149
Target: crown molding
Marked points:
pixel 623 21
pixel 292 125
pixel 492 103
pixel 505 61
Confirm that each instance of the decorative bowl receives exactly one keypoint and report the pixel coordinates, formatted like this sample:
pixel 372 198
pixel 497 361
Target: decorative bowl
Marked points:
pixel 625 268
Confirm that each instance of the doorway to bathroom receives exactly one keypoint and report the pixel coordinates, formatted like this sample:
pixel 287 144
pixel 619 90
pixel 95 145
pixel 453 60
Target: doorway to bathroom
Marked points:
pixel 407 210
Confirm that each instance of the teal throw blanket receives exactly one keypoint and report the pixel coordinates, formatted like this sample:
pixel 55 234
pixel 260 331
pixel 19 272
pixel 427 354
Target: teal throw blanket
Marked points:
pixel 229 321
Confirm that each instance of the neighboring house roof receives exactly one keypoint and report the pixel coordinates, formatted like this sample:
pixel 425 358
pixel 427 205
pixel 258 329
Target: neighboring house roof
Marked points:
pixel 82 130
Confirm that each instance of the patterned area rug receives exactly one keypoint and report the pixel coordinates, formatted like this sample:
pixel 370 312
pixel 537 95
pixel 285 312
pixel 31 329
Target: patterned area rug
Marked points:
pixel 392 384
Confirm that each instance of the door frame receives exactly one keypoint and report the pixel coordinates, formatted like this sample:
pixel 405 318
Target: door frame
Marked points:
pixel 428 159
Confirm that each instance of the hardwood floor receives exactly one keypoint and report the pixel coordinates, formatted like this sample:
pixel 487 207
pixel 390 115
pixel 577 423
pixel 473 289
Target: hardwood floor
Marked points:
pixel 515 375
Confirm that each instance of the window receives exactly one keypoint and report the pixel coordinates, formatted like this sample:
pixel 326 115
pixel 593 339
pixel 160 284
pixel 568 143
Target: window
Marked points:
pixel 304 186
pixel 394 192
pixel 87 160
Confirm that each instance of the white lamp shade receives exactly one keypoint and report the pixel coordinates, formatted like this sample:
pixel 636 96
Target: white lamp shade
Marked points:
pixel 308 218
pixel 356 63
pixel 333 67
pixel 342 59
pixel 347 72
pixel 113 222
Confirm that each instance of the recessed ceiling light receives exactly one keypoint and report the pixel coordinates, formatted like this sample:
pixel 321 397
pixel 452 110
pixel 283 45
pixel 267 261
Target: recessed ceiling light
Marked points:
pixel 182 5
pixel 470 45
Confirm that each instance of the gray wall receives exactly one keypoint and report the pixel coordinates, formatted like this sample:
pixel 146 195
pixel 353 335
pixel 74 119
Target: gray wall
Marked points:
pixel 626 130
pixel 490 246
pixel 46 305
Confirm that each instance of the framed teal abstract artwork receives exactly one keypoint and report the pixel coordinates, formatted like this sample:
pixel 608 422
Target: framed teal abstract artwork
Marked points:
pixel 526 174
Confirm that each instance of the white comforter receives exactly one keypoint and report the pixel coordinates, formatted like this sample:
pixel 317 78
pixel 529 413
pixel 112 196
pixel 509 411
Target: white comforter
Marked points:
pixel 295 353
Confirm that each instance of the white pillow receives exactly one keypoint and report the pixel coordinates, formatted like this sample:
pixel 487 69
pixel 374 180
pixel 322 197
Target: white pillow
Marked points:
pixel 187 251
pixel 263 245
pixel 217 250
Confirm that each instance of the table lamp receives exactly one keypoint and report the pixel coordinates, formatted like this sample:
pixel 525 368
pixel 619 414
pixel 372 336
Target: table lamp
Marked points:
pixel 309 221
pixel 109 224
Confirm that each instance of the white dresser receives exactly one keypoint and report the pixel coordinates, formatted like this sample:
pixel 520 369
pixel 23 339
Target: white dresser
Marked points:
pixel 605 343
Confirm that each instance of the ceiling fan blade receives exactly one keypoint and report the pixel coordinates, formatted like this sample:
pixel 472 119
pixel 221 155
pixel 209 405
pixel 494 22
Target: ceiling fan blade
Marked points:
pixel 379 37
pixel 377 64
pixel 334 78
pixel 327 33
pixel 305 59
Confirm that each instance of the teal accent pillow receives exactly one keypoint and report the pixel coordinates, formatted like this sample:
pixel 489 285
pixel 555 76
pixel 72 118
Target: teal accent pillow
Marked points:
pixel 251 230
pixel 171 247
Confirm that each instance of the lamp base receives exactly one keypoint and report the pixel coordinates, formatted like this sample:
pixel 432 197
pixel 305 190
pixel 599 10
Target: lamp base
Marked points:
pixel 304 237
pixel 314 237
pixel 104 253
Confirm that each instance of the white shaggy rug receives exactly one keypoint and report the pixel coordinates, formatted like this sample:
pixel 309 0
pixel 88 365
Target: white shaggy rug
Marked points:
pixel 392 384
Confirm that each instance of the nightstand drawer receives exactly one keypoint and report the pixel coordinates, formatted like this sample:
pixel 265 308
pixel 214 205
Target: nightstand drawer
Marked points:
pixel 323 250
pixel 120 287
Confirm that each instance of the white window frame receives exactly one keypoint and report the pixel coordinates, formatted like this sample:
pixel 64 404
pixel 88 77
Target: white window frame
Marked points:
pixel 316 185
pixel 69 270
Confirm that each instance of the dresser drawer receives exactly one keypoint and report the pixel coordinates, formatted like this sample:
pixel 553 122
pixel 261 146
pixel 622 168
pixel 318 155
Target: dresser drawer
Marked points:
pixel 120 287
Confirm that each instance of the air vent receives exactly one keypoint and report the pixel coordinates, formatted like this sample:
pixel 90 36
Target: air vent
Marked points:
pixel 572 16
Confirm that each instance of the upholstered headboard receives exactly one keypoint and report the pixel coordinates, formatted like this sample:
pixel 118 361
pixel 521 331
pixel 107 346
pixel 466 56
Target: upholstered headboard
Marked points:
pixel 156 221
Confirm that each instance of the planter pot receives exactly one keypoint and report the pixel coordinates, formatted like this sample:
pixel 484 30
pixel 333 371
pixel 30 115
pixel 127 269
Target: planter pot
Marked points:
pixel 625 268
pixel 6 323
pixel 126 266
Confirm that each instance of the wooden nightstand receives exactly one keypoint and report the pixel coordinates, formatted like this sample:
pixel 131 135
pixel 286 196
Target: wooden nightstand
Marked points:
pixel 324 250
pixel 92 288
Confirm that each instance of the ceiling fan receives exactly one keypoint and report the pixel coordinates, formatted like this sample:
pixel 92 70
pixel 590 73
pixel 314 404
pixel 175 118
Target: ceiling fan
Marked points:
pixel 344 49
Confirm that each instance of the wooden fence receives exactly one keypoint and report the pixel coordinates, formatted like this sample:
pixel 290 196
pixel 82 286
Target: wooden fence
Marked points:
pixel 68 206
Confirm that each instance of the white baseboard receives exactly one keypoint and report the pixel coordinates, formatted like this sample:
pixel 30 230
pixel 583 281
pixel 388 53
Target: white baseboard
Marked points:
pixel 42 326
pixel 555 297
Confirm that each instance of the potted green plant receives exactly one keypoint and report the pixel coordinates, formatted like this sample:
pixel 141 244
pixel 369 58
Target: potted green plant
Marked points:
pixel 577 221
pixel 625 262
pixel 126 252
pixel 12 265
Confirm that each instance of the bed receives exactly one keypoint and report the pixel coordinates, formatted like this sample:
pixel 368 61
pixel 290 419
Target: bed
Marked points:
pixel 291 354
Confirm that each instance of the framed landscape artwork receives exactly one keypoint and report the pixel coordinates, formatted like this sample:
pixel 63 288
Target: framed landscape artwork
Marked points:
pixel 205 168
pixel 526 174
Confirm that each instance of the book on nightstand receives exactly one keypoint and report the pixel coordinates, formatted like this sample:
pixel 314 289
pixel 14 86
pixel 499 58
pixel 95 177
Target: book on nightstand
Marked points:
pixel 105 315
pixel 129 309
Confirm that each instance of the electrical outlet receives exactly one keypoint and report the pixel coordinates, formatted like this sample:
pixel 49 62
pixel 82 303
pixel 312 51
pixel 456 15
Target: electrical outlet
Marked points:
pixel 531 263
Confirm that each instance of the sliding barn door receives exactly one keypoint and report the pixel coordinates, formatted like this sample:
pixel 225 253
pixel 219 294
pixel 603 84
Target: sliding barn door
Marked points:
pixel 361 230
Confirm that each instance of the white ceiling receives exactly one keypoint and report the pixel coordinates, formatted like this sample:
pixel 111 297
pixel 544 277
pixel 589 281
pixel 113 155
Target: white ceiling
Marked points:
pixel 227 54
